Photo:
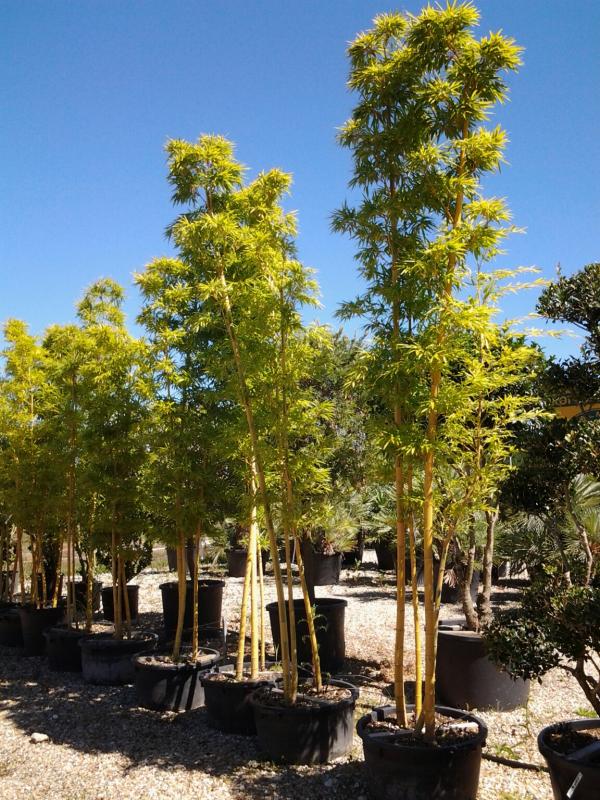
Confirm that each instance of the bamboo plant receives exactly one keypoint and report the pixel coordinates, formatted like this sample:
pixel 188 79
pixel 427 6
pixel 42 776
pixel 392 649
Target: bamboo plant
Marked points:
pixel 30 486
pixel 239 243
pixel 425 87
pixel 114 399
pixel 183 477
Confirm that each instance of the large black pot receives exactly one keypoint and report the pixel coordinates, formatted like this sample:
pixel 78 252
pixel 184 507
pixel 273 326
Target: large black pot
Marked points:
pixel 11 634
pixel 421 772
pixel 62 647
pixel 330 615
pixel 210 603
pixel 108 661
pixel 165 686
pixel 50 586
pixel 236 562
pixel 352 558
pixel 81 596
pixel 467 678
pixel 305 733
pixel 34 621
pixel 320 569
pixel 189 558
pixel 386 556
pixel 451 593
pixel 228 702
pixel 565 769
pixel 108 606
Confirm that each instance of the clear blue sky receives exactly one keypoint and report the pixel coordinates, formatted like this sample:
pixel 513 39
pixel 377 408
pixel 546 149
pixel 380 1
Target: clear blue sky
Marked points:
pixel 91 90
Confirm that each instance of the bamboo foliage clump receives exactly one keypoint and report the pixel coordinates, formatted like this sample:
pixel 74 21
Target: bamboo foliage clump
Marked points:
pixel 238 242
pixel 425 88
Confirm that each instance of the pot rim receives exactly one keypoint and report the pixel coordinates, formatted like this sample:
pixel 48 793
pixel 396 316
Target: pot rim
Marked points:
pixel 101 642
pixel 381 712
pixel 317 709
pixel 142 661
pixel 319 601
pixel 28 608
pixel 226 668
pixel 573 724
pixel 201 582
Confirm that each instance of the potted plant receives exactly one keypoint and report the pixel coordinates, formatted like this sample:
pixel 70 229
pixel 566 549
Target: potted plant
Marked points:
pixel 30 486
pixel 558 625
pixel 332 531
pixel 469 507
pixel 240 243
pixel 424 85
pixel 114 397
pixel 182 486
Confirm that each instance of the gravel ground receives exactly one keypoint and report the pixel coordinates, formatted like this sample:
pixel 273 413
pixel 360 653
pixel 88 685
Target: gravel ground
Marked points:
pixel 102 746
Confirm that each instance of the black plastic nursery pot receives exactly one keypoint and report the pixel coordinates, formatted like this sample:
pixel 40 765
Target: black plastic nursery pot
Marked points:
pixel 108 605
pixel 62 648
pixel 320 569
pixel 467 678
pixel 451 594
pixel 50 586
pixel 163 685
pixel 307 732
pixel 236 562
pixel 210 603
pixel 34 621
pixel 11 634
pixel 330 613
pixel 81 595
pixel 228 701
pixel 574 774
pixel 386 556
pixel 421 772
pixel 350 558
pixel 108 662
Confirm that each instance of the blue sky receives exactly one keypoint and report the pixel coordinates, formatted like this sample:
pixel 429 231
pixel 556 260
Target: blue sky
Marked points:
pixel 92 89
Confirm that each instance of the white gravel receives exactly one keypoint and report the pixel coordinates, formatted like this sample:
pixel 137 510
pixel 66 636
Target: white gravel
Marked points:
pixel 103 747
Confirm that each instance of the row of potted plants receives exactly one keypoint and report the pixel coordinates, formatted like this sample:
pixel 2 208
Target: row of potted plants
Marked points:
pixel 221 408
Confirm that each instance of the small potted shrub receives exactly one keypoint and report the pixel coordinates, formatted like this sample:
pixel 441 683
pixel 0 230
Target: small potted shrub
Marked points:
pixel 332 531
pixel 558 626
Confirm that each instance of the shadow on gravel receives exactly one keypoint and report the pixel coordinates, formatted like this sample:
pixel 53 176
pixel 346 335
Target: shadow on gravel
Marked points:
pixel 103 720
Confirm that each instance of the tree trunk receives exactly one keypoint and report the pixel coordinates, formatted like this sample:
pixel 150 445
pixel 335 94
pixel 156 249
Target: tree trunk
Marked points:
pixel 484 601
pixel 466 579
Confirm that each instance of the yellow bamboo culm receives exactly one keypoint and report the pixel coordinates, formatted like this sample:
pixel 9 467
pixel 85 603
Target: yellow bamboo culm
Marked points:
pixel 241 652
pixel 399 691
pixel 195 579
pixel 125 593
pixel 310 620
pixel 181 596
pixel 261 595
pixel 254 553
pixel 262 483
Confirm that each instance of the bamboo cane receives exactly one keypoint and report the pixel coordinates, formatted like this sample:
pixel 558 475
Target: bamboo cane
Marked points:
pixel 181 595
pixel 195 579
pixel 241 651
